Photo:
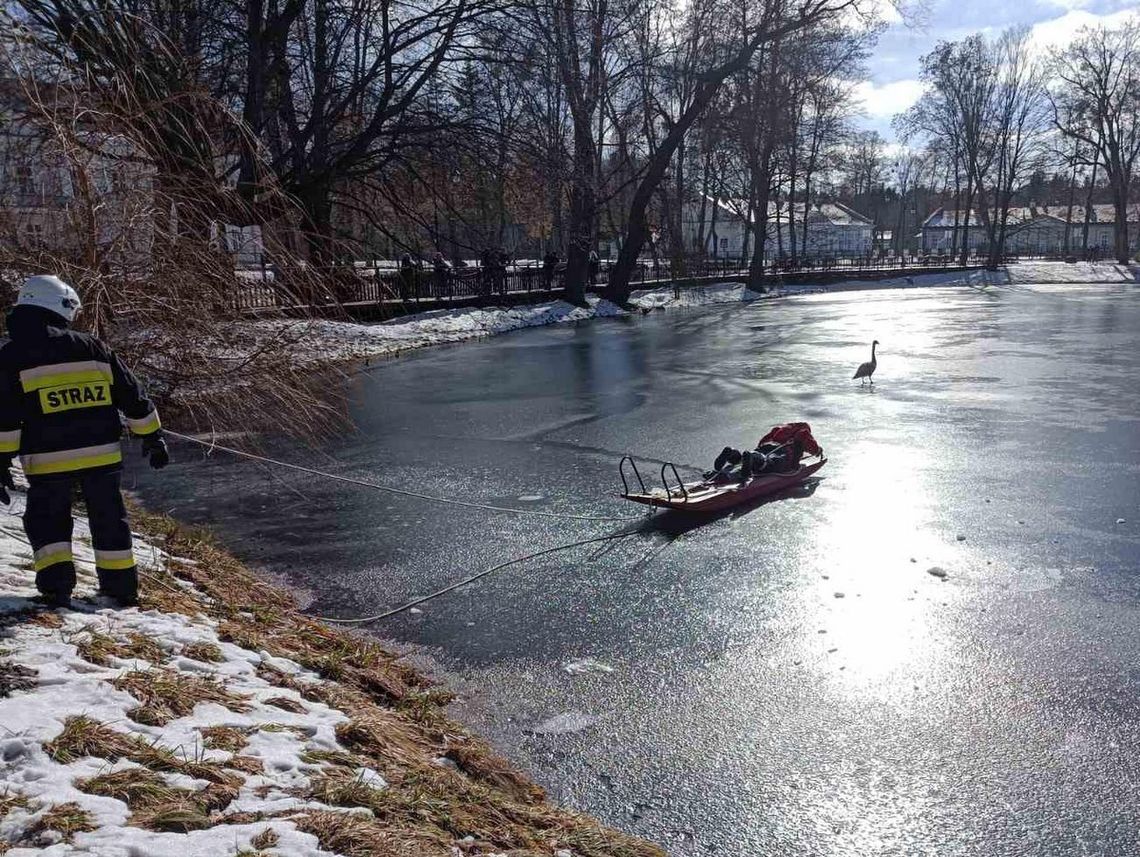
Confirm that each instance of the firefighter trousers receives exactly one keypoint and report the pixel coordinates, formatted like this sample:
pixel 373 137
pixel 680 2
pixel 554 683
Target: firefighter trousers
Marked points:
pixel 47 521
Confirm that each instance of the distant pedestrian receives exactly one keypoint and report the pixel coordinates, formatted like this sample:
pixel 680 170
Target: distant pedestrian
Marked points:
pixel 502 261
pixel 549 264
pixel 440 269
pixel 595 265
pixel 407 276
pixel 61 394
pixel 488 261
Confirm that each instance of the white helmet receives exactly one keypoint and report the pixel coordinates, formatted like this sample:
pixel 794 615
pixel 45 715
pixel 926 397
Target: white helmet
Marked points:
pixel 51 293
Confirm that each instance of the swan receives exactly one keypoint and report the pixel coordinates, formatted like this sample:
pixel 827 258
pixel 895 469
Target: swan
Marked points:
pixel 866 370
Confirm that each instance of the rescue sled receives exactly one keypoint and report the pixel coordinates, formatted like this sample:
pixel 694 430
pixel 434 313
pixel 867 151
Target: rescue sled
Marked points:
pixel 722 490
pixel 711 495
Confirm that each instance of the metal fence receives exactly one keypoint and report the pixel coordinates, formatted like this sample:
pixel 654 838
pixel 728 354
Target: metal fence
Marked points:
pixel 372 283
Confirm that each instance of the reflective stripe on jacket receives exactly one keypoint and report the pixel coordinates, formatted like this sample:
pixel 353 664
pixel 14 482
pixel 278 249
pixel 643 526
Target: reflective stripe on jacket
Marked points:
pixel 61 393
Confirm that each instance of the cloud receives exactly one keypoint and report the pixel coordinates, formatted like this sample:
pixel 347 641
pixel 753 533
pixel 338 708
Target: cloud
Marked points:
pixel 1066 4
pixel 1059 32
pixel 887 99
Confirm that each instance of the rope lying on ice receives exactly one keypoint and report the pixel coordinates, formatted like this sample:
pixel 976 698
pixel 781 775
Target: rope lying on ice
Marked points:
pixel 368 620
pixel 211 446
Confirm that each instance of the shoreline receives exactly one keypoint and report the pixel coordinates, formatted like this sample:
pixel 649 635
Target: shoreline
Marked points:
pixel 218 719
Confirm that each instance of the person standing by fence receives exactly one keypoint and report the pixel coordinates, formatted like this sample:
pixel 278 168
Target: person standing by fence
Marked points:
pixel 549 263
pixel 407 277
pixel 440 270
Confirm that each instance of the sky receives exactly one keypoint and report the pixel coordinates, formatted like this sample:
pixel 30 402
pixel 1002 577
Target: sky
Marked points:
pixel 894 65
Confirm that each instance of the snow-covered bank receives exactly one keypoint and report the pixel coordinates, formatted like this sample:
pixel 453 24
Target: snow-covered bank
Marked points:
pixel 65 665
pixel 336 341
pixel 214 721
pixel 1029 273
pixel 696 296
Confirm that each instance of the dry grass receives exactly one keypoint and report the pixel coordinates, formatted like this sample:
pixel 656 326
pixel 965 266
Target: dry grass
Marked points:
pixel 228 738
pixel 138 788
pixel 285 704
pixel 10 800
pixel 166 695
pixel 14 677
pixel 205 652
pixel 46 619
pixel 84 737
pixel 145 649
pixel 260 843
pixel 99 648
pixel 360 836
pixel 64 819
pixel 156 805
pixel 266 839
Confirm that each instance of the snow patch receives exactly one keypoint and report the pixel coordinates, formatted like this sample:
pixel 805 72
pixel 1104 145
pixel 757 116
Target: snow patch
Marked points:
pixel 1041 273
pixel 322 341
pixel 66 685
pixel 696 296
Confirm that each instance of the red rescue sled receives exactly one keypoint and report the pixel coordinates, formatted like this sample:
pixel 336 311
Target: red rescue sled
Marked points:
pixel 716 493
pixel 705 495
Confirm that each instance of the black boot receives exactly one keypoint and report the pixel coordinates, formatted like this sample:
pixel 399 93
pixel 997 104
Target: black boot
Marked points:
pixel 54 599
pixel 728 455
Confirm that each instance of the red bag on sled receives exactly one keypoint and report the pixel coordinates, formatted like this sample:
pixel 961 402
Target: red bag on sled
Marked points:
pixel 793 431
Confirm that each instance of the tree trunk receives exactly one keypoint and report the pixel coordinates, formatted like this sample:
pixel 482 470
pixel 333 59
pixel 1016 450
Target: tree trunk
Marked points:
pixel 1120 230
pixel 1088 205
pixel 582 212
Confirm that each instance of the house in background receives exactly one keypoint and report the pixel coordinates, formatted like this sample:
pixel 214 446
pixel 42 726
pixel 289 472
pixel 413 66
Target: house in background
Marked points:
pixel 1032 230
pixel 94 199
pixel 719 227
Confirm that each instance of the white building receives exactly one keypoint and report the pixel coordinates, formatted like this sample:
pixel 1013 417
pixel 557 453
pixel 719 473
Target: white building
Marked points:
pixel 833 230
pixel 1032 230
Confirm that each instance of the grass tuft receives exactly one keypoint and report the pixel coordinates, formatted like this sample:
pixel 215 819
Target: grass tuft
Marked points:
pixel 145 649
pixel 166 695
pixel 205 652
pixel 156 805
pixel 83 736
pixel 266 839
pixel 99 648
pixel 285 704
pixel 138 788
pixel 229 738
pixel 354 835
pixel 14 677
pixel 10 800
pixel 64 820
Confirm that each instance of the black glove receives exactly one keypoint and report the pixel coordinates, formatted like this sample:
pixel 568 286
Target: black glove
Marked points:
pixel 154 448
pixel 6 480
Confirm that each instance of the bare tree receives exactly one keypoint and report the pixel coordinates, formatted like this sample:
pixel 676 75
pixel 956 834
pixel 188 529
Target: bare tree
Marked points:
pixel 1096 101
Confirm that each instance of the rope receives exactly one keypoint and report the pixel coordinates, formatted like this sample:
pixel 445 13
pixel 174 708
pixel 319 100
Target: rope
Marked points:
pixel 367 620
pixel 211 446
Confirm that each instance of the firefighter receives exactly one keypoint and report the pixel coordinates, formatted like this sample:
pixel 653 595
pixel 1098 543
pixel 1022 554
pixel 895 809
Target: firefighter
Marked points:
pixel 61 393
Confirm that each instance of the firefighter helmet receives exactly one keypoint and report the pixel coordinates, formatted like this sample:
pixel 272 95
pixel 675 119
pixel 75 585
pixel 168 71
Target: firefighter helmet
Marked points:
pixel 50 293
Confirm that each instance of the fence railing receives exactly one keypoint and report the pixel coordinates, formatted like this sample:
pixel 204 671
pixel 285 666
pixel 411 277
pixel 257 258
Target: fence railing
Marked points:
pixel 268 287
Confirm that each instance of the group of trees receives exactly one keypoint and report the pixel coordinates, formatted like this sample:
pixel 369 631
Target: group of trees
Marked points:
pixel 997 114
pixel 444 123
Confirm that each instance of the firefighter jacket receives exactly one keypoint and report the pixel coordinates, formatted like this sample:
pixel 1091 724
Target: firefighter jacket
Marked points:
pixel 61 393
